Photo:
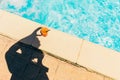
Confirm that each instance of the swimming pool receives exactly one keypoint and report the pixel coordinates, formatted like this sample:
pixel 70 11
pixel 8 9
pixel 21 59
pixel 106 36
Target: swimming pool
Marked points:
pixel 97 21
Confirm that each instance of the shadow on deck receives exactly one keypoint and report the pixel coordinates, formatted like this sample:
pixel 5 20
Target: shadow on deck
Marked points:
pixel 25 62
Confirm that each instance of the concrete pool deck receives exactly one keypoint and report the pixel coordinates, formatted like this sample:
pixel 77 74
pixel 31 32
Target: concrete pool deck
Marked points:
pixel 67 47
pixel 58 69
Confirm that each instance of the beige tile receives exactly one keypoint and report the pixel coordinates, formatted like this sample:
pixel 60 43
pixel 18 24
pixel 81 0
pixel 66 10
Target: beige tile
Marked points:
pixel 2 44
pixel 106 78
pixel 4 72
pixel 61 44
pixel 63 72
pixel 82 74
pixel 69 72
pixel 16 26
pixel 51 63
pixel 92 76
pixel 9 42
pixel 1 14
pixel 100 59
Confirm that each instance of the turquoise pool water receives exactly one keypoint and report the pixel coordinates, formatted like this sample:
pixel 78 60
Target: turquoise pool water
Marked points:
pixel 97 21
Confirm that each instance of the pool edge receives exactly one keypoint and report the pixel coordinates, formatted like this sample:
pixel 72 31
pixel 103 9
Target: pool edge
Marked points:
pixel 72 49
